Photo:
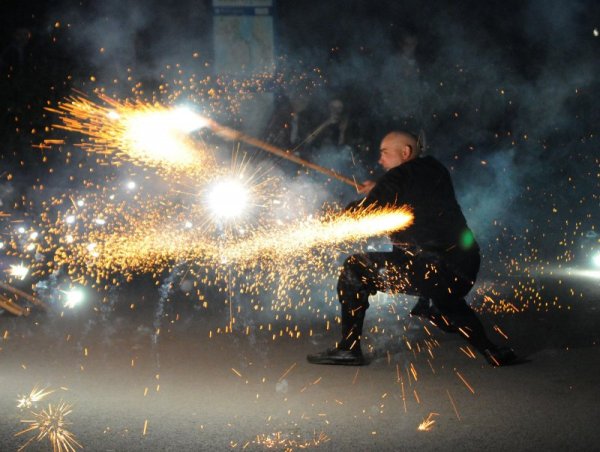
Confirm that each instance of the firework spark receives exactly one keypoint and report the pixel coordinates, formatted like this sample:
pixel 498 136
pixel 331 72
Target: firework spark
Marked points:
pixel 19 271
pixel 157 244
pixel 228 199
pixel 283 441
pixel 427 424
pixel 51 424
pixel 151 135
pixel 318 233
pixel 73 298
pixel 36 394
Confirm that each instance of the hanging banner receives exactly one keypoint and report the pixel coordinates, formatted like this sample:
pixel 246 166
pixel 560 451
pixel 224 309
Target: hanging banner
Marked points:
pixel 243 36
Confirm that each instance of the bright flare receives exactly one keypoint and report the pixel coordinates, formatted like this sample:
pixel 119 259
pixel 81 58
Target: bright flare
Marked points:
pixel 596 259
pixel 18 271
pixel 228 199
pixel 315 233
pixel 147 134
pixel 159 136
pixel 74 297
pixel 36 394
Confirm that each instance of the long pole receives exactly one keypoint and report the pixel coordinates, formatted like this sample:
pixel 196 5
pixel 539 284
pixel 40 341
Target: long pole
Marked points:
pixel 22 294
pixel 234 135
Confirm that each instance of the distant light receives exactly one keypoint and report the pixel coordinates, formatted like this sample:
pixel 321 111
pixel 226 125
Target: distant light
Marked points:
pixel 1 245
pixel 188 224
pixel 596 33
pixel 21 230
pixel 113 115
pixel 73 298
pixel 30 247
pixel 34 235
pixel 69 238
pixel 100 221
pixel 130 185
pixel 70 219
pixel 80 202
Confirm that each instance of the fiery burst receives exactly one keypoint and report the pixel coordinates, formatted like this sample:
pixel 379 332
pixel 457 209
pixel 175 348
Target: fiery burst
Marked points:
pixel 19 271
pixel 427 424
pixel 36 394
pixel 287 442
pixel 51 424
pixel 318 233
pixel 156 244
pixel 151 135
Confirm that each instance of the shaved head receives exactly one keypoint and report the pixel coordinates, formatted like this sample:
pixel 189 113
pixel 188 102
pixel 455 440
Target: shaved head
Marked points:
pixel 398 147
pixel 400 138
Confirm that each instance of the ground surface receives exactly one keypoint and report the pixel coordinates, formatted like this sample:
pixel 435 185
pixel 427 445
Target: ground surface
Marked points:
pixel 238 391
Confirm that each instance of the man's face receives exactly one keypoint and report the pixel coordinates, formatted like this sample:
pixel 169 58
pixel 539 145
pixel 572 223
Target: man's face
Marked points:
pixel 392 153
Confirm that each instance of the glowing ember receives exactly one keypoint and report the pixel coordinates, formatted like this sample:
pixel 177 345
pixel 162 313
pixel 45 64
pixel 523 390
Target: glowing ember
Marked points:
pixel 73 298
pixel 18 271
pixel 36 394
pixel 51 424
pixel 427 424
pixel 148 134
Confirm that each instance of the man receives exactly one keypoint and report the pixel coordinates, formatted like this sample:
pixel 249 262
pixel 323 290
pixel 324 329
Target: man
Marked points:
pixel 436 257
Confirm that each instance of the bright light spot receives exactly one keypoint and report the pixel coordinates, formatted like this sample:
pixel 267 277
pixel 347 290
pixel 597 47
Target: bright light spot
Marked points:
pixel 21 230
pixel 18 271
pixel 100 221
pixel 73 298
pixel 70 219
pixel 1 245
pixel 596 259
pixel 228 199
pixel 92 249
pixel 596 33
pixel 130 185
pixel 188 224
pixel 113 115
pixel 30 247
pixel 34 235
pixel 80 203
pixel 188 120
pixel 69 238
pixel 162 135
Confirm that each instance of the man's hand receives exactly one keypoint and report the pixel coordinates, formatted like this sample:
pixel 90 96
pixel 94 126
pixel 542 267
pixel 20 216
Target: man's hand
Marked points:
pixel 366 187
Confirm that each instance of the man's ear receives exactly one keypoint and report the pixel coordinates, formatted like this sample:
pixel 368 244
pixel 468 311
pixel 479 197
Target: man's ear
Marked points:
pixel 406 152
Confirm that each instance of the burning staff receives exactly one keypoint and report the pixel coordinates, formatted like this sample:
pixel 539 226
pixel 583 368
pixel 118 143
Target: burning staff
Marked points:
pixel 21 294
pixel 235 135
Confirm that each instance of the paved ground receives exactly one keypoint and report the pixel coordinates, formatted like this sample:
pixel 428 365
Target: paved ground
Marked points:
pixel 247 391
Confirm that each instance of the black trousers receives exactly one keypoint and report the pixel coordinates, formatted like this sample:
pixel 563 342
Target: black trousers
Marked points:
pixel 444 278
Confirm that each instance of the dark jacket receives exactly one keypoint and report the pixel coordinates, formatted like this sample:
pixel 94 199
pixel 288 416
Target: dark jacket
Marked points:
pixel 424 184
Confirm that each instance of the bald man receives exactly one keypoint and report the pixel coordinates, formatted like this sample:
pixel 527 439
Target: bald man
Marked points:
pixel 436 258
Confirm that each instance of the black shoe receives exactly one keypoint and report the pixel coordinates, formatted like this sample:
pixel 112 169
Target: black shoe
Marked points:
pixel 339 357
pixel 501 356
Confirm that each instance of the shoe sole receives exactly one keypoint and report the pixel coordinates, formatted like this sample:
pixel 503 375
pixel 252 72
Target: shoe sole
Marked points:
pixel 336 362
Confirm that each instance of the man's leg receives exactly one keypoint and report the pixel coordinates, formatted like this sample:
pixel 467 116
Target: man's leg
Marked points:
pixel 456 312
pixel 452 281
pixel 358 279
